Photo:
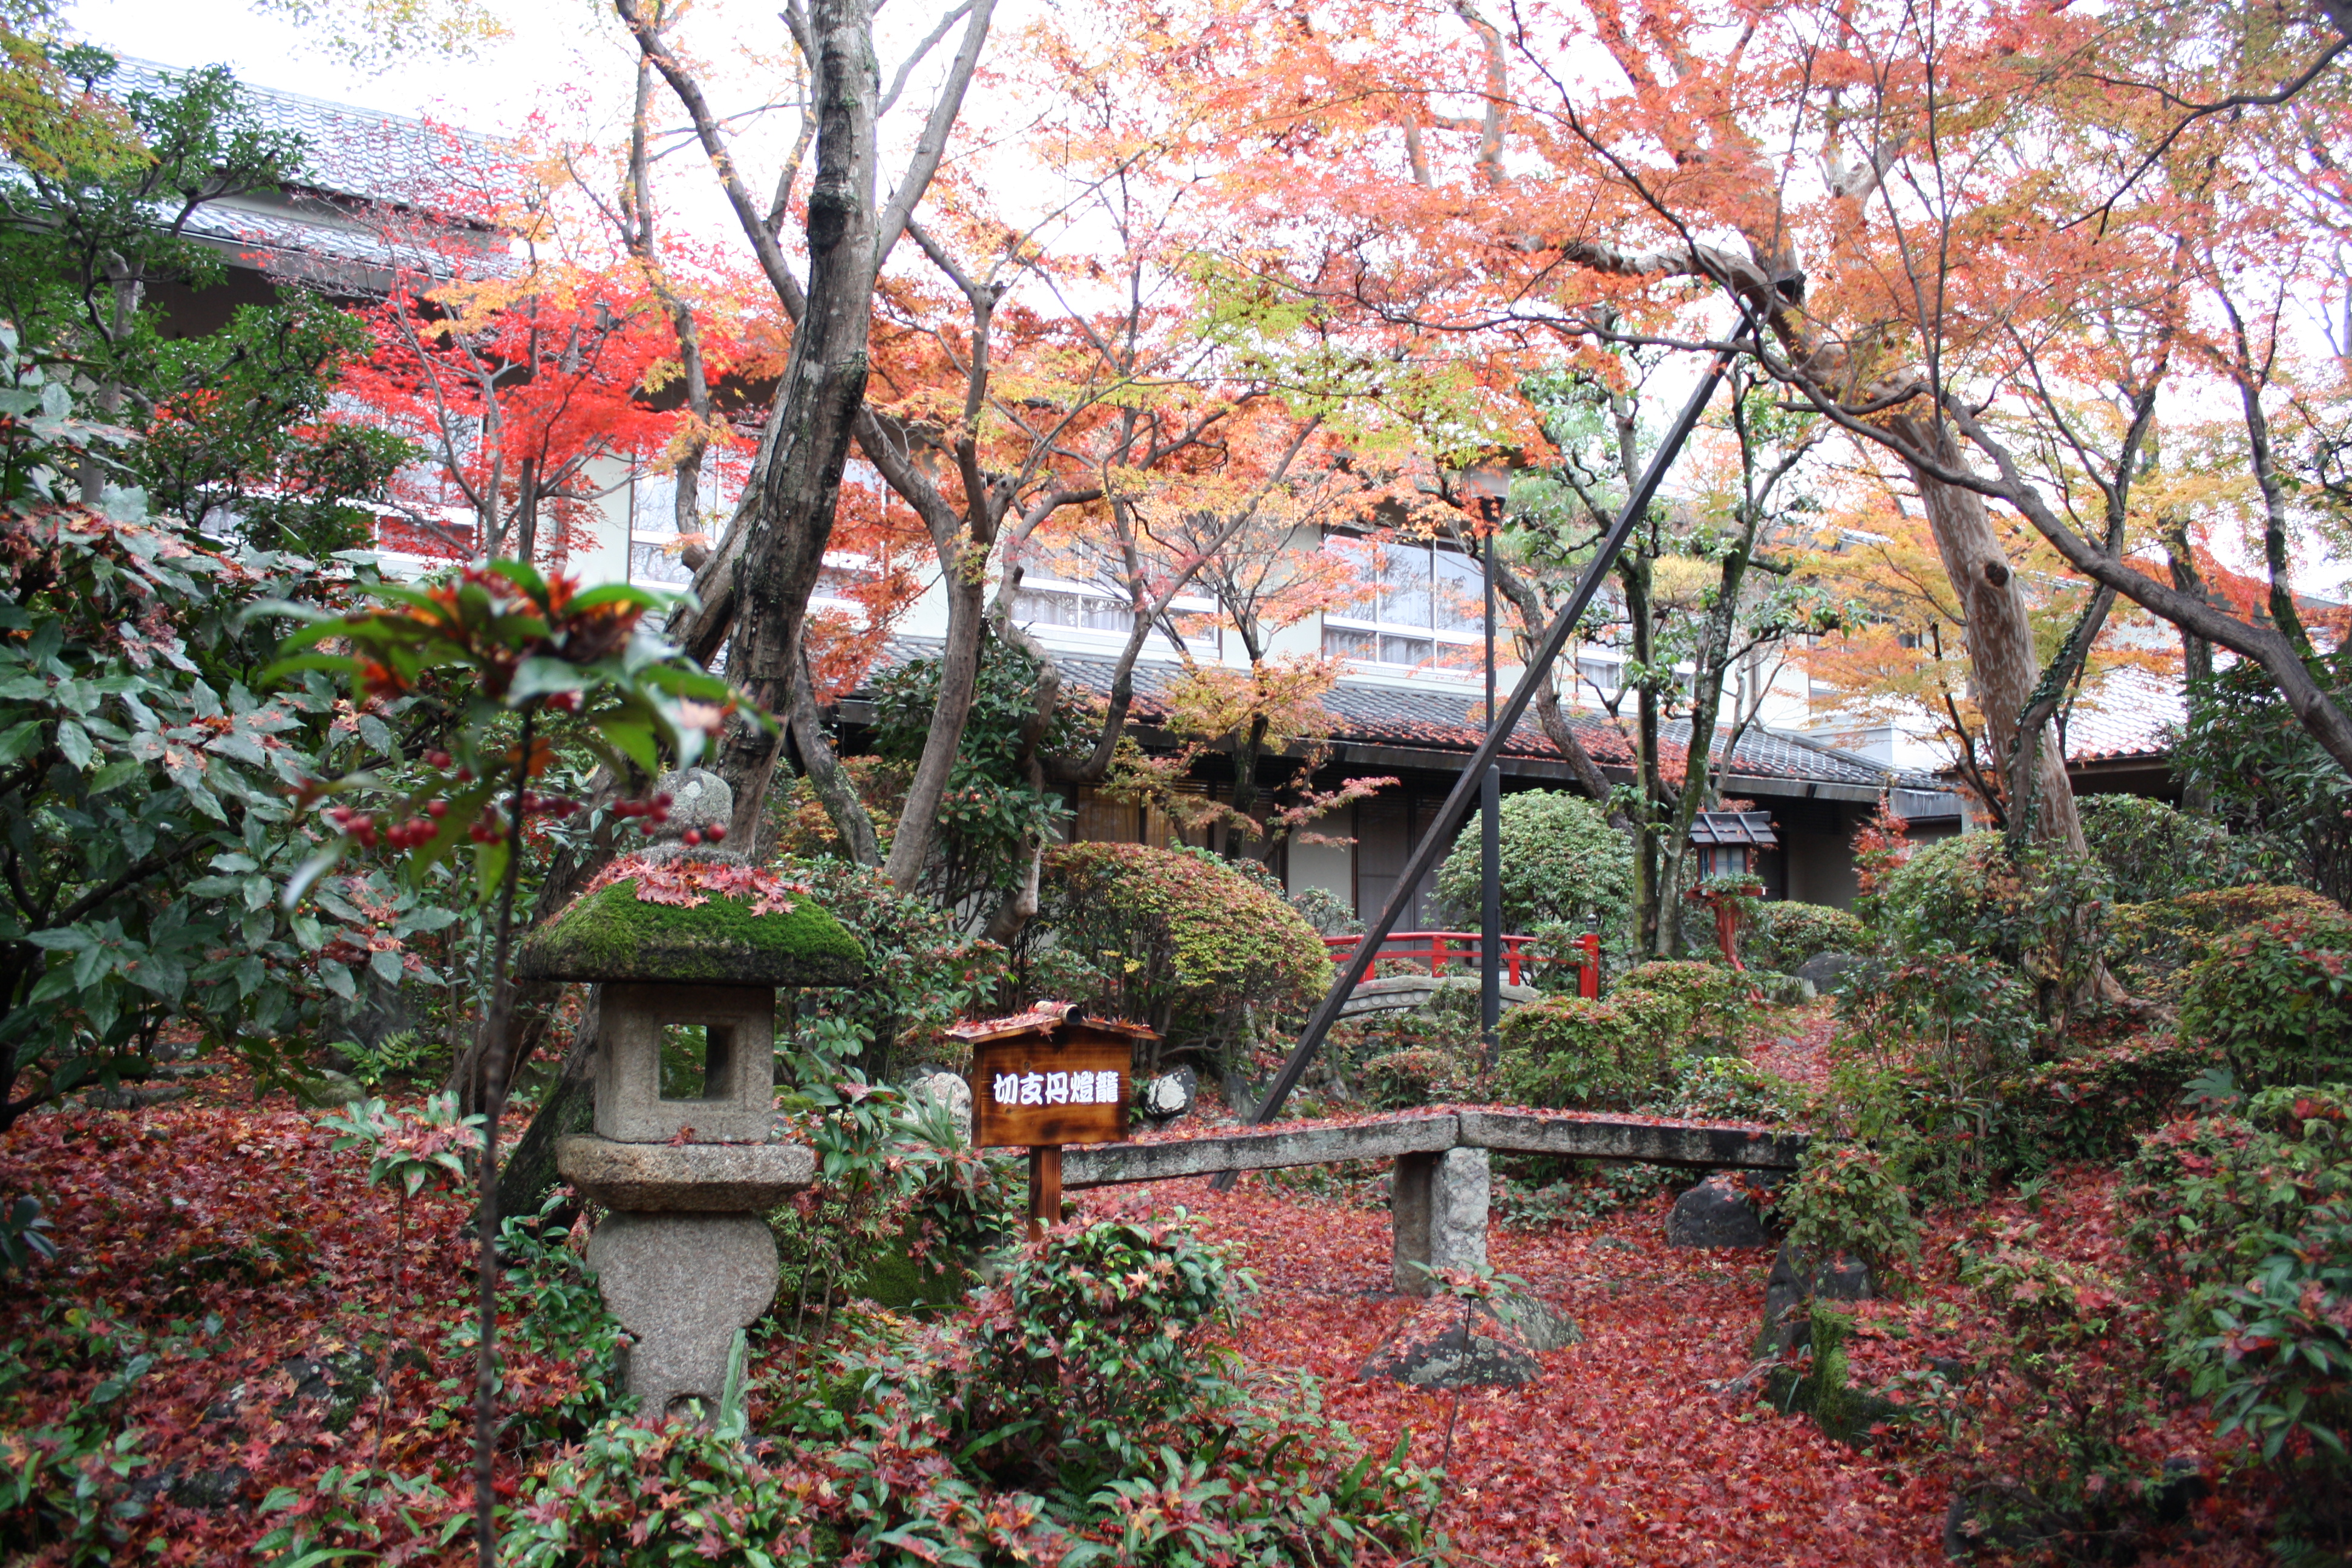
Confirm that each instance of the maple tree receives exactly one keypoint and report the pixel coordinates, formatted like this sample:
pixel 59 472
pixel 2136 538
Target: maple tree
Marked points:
pixel 1817 191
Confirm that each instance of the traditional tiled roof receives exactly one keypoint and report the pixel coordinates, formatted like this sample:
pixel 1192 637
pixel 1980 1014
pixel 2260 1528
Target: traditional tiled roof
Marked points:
pixel 1375 713
pixel 2131 713
pixel 372 195
pixel 350 152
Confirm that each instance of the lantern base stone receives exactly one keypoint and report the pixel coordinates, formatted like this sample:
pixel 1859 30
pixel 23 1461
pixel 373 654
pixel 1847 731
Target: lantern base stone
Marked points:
pixel 684 1178
pixel 682 1284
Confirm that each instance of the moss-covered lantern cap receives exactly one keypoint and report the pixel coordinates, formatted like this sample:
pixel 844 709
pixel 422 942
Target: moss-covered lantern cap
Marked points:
pixel 696 922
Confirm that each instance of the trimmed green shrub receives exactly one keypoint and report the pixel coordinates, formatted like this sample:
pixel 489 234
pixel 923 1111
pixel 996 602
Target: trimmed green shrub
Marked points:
pixel 1562 862
pixel 2152 946
pixel 1730 1088
pixel 1181 940
pixel 2044 913
pixel 2272 1000
pixel 2095 1106
pixel 1415 1076
pixel 2154 851
pixel 1785 933
pixel 1572 1053
pixel 1712 999
pixel 1848 1198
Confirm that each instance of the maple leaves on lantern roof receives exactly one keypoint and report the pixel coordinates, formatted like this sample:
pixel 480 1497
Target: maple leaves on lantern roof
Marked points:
pixel 687 884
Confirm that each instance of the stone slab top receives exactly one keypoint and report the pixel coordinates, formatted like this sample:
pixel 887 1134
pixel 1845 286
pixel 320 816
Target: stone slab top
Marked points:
pixel 687 921
pixel 685 1178
pixel 1650 1140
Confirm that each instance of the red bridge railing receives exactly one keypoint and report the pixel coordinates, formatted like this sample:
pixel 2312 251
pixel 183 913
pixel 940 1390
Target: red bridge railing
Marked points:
pixel 1439 948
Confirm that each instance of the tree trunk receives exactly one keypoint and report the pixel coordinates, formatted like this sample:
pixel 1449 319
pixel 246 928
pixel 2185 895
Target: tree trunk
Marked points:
pixel 806 443
pixel 2196 652
pixel 910 846
pixel 2003 666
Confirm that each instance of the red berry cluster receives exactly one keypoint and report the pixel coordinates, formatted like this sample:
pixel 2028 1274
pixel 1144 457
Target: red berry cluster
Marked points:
pixel 358 824
pixel 713 834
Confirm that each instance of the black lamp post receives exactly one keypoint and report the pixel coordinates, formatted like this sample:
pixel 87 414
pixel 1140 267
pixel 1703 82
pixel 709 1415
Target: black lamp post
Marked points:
pixel 1490 486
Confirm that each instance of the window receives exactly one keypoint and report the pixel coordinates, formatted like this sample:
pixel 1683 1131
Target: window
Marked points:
pixel 1069 607
pixel 1426 606
pixel 1603 675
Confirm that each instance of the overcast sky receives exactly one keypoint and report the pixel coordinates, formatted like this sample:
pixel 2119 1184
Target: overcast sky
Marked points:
pixel 554 46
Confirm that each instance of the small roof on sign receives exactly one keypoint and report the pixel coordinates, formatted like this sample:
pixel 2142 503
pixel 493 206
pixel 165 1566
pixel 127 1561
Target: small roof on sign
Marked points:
pixel 1043 1019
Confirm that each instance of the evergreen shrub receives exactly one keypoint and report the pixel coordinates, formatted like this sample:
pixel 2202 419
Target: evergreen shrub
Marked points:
pixel 1183 941
pixel 1785 932
pixel 2271 999
pixel 2154 945
pixel 1561 862
pixel 1574 1053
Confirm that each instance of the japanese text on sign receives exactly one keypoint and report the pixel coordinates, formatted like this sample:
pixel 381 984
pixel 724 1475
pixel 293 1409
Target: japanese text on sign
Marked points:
pixel 1055 1088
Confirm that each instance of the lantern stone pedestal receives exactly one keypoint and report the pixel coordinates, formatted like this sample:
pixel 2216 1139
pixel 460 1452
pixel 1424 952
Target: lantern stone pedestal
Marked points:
pixel 683 1154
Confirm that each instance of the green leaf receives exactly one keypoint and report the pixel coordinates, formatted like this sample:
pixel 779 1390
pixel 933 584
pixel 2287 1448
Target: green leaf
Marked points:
pixel 74 741
pixel 19 738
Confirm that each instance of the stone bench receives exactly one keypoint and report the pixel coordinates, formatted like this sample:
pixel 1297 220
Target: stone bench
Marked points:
pixel 1444 1180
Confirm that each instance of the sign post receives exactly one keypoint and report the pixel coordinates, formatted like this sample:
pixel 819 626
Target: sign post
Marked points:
pixel 1044 1079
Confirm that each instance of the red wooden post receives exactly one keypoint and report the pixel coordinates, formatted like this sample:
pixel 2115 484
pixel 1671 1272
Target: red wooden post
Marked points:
pixel 1587 977
pixel 1438 953
pixel 1511 957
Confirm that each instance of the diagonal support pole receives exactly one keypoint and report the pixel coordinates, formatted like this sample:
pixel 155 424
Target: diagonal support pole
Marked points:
pixel 1473 772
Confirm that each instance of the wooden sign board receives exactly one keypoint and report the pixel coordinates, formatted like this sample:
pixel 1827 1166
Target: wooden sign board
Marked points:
pixel 1036 1089
pixel 1049 1077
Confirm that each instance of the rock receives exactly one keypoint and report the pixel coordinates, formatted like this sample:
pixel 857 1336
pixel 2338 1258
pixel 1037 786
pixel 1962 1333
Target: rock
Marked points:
pixel 1544 1327
pixel 683 1284
pixel 1996 1517
pixel 1451 994
pixel 1826 971
pixel 1452 1343
pixel 1715 1214
pixel 1789 1290
pixel 1437 1208
pixel 210 1490
pixel 937 1086
pixel 698 798
pixel 329 1091
pixel 1168 1096
pixel 684 1178
pixel 136 1097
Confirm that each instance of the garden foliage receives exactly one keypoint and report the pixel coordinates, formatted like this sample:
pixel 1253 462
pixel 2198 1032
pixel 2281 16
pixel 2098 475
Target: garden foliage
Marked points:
pixel 2271 1000
pixel 1193 945
pixel 2246 1220
pixel 2153 946
pixel 1561 862
pixel 1785 933
pixel 1080 1412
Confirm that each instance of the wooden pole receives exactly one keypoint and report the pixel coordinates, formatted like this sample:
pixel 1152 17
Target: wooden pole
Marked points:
pixel 1044 1189
pixel 1436 838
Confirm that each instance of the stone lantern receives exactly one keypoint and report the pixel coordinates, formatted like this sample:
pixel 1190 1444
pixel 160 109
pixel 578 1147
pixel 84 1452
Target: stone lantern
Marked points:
pixel 688 945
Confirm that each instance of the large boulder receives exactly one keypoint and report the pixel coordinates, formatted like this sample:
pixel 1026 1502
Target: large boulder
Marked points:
pixel 1827 971
pixel 937 1086
pixel 1447 1343
pixel 1796 1278
pixel 1715 1214
pixel 1168 1096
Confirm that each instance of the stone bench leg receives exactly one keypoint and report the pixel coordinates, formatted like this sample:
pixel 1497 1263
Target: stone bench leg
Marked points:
pixel 1438 1205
